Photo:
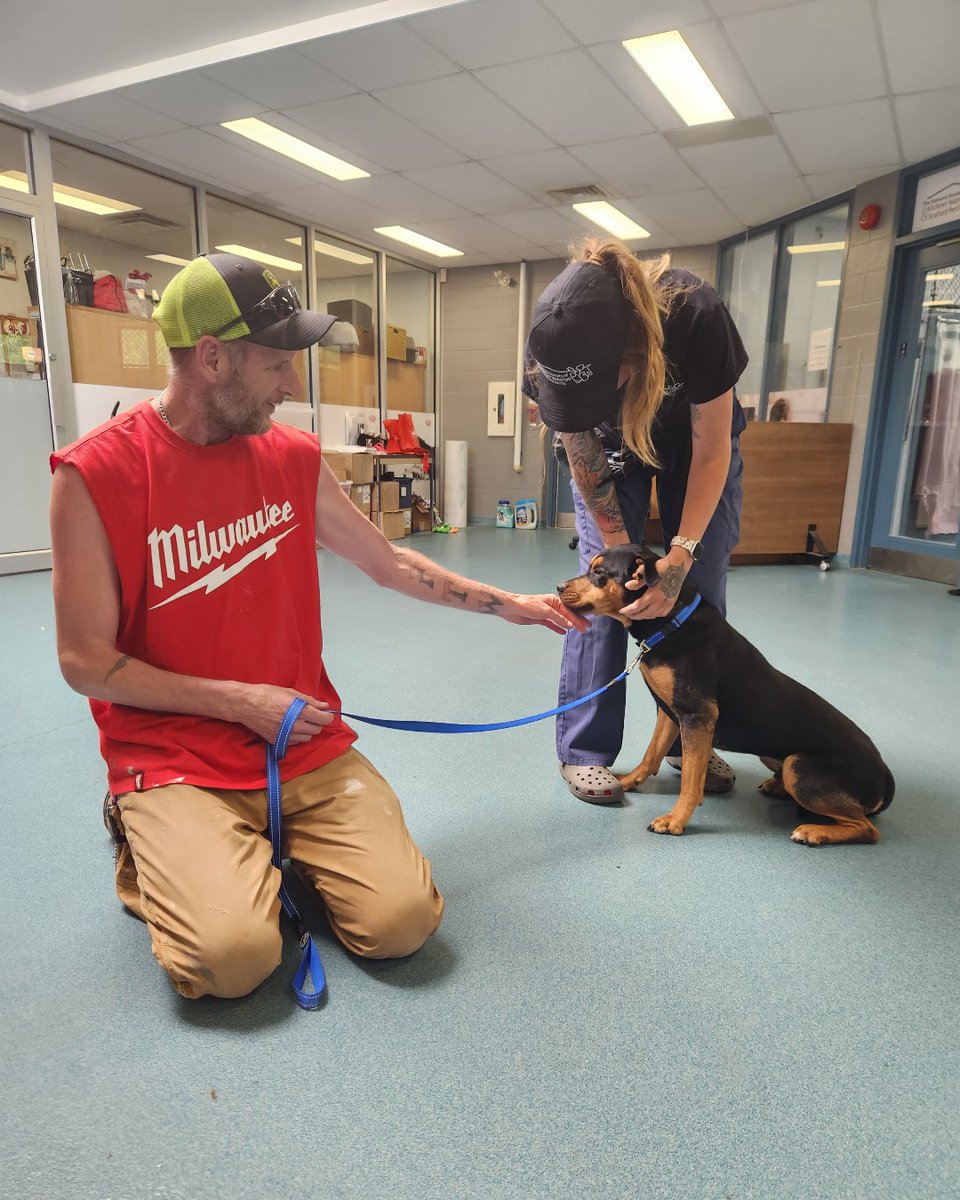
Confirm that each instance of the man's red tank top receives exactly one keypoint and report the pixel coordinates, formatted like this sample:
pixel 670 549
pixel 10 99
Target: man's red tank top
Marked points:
pixel 215 548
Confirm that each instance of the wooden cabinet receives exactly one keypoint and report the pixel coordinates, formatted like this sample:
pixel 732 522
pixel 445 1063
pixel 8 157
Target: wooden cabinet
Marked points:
pixel 351 381
pixel 794 476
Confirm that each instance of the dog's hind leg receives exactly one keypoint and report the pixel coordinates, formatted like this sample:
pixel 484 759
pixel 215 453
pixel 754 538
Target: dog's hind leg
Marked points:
pixel 774 785
pixel 664 734
pixel 816 789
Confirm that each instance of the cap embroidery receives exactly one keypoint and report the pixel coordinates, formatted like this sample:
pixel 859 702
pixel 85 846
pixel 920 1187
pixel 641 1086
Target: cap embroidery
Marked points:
pixel 578 374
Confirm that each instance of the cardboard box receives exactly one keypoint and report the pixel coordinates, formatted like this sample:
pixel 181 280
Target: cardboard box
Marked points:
pixel 391 525
pixel 361 498
pixel 356 466
pixel 388 499
pixel 338 463
pixel 354 312
pixel 421 521
pixel 396 342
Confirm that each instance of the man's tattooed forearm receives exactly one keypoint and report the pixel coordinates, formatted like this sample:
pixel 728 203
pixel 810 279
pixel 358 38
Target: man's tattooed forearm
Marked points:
pixel 671 580
pixel 449 592
pixel 491 605
pixel 117 666
pixel 424 577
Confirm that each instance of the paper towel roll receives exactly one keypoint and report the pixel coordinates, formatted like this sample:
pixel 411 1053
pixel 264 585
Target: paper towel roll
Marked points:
pixel 455 483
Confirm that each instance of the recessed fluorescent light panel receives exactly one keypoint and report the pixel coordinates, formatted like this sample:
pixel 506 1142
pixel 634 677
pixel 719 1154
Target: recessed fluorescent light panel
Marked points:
pixel 409 238
pixel 611 219
pixel 89 202
pixel 284 143
pixel 828 283
pixel 674 71
pixel 170 258
pixel 815 247
pixel 334 251
pixel 268 260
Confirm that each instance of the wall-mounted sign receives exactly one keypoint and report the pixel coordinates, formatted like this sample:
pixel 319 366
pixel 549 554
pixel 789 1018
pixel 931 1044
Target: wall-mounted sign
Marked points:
pixel 938 199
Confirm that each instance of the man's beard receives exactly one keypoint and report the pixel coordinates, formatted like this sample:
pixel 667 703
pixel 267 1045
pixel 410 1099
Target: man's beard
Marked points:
pixel 233 409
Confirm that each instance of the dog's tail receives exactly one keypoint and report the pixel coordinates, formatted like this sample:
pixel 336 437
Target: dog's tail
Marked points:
pixel 889 787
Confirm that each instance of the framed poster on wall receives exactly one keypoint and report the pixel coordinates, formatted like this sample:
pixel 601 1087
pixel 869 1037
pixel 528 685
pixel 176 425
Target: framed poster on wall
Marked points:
pixel 8 260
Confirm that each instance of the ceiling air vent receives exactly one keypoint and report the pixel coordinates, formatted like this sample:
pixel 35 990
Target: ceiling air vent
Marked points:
pixel 144 218
pixel 587 191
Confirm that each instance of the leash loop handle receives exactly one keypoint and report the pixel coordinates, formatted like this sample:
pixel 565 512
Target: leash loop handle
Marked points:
pixel 311 967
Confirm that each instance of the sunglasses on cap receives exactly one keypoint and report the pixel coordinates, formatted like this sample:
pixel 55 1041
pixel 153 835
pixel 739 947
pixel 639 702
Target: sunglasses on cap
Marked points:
pixel 276 306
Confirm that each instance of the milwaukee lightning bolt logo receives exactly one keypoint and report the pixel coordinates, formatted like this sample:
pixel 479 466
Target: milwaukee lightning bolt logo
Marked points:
pixel 176 552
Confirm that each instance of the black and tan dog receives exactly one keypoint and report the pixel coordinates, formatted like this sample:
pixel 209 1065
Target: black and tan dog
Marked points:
pixel 722 692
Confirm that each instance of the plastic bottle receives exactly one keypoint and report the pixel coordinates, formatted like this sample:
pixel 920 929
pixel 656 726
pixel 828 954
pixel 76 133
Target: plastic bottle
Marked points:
pixel 504 514
pixel 526 514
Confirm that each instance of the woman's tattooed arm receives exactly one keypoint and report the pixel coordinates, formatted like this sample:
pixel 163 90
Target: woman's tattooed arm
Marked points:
pixel 588 465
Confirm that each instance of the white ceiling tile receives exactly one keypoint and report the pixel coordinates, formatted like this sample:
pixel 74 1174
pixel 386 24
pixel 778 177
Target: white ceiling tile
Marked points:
pixel 636 86
pixel 473 187
pixel 280 79
pixel 752 160
pixel 921 47
pixel 635 166
pixel 757 205
pixel 810 55
pixel 478 234
pixel 833 183
pixel 683 212
pixel 614 20
pixel 566 95
pixel 728 8
pixel 928 123
pixel 192 98
pixel 112 118
pixel 379 56
pixel 463 113
pixel 844 136
pixel 331 208
pixel 205 154
pixel 496 31
pixel 404 200
pixel 544 171
pixel 361 125
pixel 545 226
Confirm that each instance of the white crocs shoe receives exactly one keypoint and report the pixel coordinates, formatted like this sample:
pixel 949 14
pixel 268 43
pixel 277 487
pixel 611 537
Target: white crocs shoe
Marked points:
pixel 593 783
pixel 720 775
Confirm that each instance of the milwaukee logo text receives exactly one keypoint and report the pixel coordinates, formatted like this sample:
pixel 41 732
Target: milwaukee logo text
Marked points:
pixel 178 551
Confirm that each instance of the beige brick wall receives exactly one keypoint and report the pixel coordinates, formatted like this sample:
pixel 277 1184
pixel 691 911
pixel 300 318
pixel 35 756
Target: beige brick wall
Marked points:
pixel 862 305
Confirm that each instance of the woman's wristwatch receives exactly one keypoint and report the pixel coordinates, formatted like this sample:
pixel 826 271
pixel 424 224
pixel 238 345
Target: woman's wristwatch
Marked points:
pixel 692 548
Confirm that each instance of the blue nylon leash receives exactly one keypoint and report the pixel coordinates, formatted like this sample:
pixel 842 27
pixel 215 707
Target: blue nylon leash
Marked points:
pixel 454 727
pixel 310 964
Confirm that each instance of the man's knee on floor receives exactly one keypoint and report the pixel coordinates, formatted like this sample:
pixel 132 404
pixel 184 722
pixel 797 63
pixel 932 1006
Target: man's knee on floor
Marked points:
pixel 393 927
pixel 227 963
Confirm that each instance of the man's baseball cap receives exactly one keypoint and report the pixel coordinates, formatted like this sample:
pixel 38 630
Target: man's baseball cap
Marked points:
pixel 577 337
pixel 230 297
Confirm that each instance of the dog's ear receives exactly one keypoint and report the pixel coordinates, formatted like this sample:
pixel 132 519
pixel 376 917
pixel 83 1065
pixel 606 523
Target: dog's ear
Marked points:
pixel 646 572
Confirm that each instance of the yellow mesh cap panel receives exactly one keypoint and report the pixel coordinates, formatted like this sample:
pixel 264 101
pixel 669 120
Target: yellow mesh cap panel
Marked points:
pixel 196 302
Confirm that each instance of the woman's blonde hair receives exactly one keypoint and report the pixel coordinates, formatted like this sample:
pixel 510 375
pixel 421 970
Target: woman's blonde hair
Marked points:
pixel 649 300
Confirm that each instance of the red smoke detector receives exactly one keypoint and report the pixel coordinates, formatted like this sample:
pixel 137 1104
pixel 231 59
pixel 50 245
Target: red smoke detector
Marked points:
pixel 869 217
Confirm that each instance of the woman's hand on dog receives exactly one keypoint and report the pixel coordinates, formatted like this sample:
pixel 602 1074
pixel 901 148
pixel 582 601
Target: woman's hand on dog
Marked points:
pixel 660 597
pixel 544 610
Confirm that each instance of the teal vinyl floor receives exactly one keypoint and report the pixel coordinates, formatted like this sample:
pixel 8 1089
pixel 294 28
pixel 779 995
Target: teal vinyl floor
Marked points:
pixel 604 1013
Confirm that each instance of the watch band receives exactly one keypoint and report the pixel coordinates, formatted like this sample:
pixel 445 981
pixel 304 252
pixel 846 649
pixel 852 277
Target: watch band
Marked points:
pixel 693 548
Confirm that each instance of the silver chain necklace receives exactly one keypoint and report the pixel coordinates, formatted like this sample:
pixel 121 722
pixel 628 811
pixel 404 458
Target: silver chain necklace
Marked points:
pixel 163 411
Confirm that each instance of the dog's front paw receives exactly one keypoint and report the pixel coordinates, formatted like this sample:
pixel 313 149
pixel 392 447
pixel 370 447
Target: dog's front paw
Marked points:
pixel 668 823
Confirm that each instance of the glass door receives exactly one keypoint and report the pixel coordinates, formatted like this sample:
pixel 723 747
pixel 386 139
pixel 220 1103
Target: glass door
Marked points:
pixel 918 498
pixel 26 428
